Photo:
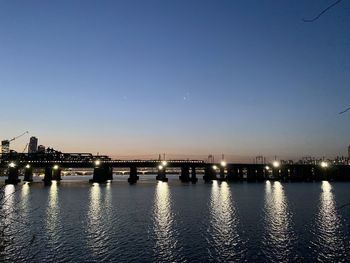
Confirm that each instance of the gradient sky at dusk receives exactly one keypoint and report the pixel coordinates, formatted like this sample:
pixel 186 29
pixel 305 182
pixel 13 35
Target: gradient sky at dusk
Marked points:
pixel 182 77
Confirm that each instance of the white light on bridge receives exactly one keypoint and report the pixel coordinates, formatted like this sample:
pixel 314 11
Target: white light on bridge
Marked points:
pixel 97 162
pixel 27 166
pixel 267 167
pixel 12 164
pixel 160 167
pixel 223 163
pixel 276 164
pixel 164 163
pixel 324 164
pixel 215 167
pixel 55 167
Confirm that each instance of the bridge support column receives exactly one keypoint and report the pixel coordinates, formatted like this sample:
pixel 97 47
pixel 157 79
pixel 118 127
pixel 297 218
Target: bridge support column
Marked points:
pixel 276 174
pixel 209 173
pixel 56 174
pixel 161 176
pixel 102 174
pixel 28 174
pixel 133 177
pixel 232 174
pixel 260 174
pixel 185 174
pixel 48 176
pixel 222 174
pixel 12 173
pixel 194 178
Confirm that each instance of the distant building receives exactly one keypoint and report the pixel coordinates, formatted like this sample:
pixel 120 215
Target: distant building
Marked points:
pixel 33 145
pixel 5 146
pixel 349 154
pixel 41 149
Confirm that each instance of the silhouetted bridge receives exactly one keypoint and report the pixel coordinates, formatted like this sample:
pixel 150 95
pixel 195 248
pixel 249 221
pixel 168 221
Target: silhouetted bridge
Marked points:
pixel 17 164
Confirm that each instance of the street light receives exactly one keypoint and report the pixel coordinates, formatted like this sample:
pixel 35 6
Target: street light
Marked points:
pixel 12 164
pixel 55 167
pixel 324 164
pixel 160 167
pixel 164 163
pixel 215 167
pixel 97 162
pixel 27 166
pixel 223 163
pixel 267 167
pixel 276 164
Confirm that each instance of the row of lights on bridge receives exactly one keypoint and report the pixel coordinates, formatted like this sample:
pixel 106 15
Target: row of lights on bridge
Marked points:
pixel 275 164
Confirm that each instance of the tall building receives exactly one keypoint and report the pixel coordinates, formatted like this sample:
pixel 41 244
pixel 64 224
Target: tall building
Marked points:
pixel 33 145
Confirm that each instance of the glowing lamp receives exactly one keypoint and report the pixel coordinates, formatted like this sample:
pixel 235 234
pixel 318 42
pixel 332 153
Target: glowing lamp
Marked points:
pixel 276 164
pixel 324 164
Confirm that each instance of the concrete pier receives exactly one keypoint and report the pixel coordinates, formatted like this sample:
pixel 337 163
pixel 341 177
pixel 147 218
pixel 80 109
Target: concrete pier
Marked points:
pixel 209 173
pixel 28 174
pixel 48 176
pixel 194 178
pixel 12 175
pixel 161 176
pixel 102 174
pixel 133 177
pixel 185 175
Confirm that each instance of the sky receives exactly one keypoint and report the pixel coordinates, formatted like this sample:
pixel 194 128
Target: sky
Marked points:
pixel 186 78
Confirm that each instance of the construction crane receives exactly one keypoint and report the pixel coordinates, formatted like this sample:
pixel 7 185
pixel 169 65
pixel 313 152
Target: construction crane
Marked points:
pixel 25 148
pixel 5 144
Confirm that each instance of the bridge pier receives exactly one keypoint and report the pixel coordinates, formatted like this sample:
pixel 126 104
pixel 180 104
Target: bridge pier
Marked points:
pixel 161 176
pixel 48 176
pixel 185 174
pixel 102 174
pixel 222 174
pixel 209 174
pixel 12 173
pixel 133 177
pixel 232 174
pixel 194 178
pixel 28 174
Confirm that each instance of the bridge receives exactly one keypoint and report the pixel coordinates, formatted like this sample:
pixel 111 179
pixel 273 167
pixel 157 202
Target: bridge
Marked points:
pixel 16 164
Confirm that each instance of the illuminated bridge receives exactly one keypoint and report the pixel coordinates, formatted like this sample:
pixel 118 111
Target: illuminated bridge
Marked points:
pixel 16 164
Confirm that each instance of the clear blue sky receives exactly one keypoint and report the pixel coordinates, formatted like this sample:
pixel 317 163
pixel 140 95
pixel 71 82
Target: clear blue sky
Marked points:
pixel 181 77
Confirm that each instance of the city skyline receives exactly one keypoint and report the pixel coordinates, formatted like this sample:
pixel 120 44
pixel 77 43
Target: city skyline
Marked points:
pixel 127 79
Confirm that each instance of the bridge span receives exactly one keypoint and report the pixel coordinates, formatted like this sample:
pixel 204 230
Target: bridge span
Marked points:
pixel 15 164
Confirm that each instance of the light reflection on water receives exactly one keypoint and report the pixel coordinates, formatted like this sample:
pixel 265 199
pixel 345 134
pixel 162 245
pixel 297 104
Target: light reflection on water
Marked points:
pixel 99 219
pixel 225 244
pixel 328 234
pixel 53 221
pixel 278 239
pixel 166 246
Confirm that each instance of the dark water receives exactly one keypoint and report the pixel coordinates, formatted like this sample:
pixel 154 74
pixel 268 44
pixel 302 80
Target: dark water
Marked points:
pixel 174 222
